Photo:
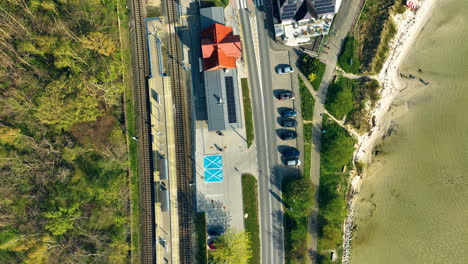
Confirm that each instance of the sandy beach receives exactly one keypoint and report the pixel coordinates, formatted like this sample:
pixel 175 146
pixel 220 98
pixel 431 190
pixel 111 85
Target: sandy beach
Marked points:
pixel 409 24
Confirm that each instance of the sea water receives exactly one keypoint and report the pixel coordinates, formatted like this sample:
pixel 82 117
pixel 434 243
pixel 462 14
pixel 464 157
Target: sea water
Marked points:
pixel 413 204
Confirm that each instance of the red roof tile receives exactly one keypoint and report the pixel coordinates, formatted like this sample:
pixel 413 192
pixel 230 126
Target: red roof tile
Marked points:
pixel 220 48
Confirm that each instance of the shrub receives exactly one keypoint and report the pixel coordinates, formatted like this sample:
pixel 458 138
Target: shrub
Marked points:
pixel 310 65
pixel 298 195
pixel 340 97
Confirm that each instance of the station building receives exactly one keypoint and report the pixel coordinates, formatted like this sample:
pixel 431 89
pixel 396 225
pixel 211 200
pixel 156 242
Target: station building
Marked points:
pixel 220 50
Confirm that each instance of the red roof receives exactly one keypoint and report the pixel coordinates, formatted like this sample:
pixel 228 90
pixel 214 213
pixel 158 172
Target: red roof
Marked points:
pixel 220 48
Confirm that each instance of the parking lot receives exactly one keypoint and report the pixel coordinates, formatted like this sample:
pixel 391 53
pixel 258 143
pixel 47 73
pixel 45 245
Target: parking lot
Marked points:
pixel 281 84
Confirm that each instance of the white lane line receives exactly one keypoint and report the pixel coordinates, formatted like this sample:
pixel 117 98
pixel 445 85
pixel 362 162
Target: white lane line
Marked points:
pixel 257 56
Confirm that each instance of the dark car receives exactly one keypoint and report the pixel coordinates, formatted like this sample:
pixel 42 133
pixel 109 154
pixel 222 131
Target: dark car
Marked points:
pixel 288 122
pixel 291 153
pixel 286 95
pixel 289 113
pixel 288 135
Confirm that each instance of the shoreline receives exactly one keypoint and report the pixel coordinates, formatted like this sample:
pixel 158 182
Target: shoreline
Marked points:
pixel 409 26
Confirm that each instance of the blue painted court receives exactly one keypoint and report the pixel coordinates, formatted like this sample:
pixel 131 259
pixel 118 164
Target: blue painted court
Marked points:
pixel 213 168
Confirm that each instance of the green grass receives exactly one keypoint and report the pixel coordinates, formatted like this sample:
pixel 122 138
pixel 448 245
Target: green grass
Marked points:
pixel 383 49
pixel 374 30
pixel 348 59
pixel 134 183
pixel 249 128
pixel 307 148
pixel 337 152
pixel 131 131
pixel 313 69
pixel 250 201
pixel 307 101
pixel 200 229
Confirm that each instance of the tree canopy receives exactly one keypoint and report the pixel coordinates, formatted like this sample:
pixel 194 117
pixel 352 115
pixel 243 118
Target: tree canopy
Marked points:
pixel 340 100
pixel 63 160
pixel 232 248
pixel 299 197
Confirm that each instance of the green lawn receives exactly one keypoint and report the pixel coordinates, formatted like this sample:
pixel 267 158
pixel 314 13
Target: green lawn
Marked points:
pixel 348 59
pixel 200 229
pixel 250 201
pixel 307 101
pixel 131 131
pixel 249 128
pixel 307 148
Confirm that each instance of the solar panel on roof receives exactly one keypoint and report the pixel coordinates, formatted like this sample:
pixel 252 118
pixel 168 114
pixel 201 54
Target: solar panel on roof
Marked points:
pixel 326 10
pixel 231 103
pixel 288 16
pixel 289 8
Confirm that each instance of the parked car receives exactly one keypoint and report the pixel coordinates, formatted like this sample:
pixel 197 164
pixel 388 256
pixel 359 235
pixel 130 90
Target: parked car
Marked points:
pixel 288 135
pixel 285 69
pixel 289 113
pixel 286 95
pixel 293 162
pixel 288 122
pixel 291 153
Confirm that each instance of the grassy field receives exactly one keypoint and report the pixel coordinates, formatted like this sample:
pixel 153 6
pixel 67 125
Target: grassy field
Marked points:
pixel 250 201
pixel 307 101
pixel 131 131
pixel 348 59
pixel 249 128
pixel 200 229
pixel 307 148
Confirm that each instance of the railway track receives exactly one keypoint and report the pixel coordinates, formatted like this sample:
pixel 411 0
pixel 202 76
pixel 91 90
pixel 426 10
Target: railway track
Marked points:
pixel 141 96
pixel 180 97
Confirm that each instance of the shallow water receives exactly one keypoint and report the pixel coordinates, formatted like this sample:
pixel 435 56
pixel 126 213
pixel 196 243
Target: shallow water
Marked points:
pixel 413 205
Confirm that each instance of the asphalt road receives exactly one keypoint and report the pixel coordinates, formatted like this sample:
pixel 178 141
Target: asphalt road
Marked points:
pixel 260 79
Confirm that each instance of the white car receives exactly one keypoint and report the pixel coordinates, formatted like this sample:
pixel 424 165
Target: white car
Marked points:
pixel 285 69
pixel 293 162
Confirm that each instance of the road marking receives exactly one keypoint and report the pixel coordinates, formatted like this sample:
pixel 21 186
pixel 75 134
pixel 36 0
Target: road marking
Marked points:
pixel 262 97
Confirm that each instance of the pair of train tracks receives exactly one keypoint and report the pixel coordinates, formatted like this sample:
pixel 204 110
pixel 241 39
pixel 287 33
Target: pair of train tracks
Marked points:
pixel 141 95
pixel 182 121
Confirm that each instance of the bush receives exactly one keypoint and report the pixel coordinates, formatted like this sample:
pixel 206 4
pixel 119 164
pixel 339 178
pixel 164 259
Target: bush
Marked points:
pixel 249 127
pixel 348 59
pixel 310 65
pixel 337 151
pixel 200 229
pixel 340 97
pixel 298 195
